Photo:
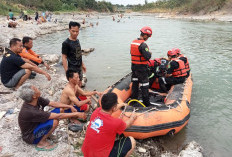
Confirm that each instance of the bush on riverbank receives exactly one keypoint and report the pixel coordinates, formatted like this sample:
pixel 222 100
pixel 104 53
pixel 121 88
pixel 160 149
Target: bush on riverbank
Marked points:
pixel 184 6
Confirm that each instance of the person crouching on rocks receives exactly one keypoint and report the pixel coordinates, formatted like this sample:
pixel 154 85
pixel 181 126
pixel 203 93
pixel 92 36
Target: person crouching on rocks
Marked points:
pixel 37 125
pixel 101 132
pixel 73 95
pixel 16 70
pixel 28 53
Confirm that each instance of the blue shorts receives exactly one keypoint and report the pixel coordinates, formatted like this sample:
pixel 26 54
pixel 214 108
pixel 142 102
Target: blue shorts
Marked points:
pixel 70 111
pixel 43 128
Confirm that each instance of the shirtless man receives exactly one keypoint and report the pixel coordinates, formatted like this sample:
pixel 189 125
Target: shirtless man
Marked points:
pixel 72 90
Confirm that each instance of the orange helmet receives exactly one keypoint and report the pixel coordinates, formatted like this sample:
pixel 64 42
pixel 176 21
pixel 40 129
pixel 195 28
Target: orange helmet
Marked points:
pixel 146 30
pixel 171 53
pixel 176 50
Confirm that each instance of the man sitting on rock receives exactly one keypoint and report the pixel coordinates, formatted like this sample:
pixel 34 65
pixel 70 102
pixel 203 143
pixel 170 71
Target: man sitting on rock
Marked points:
pixel 15 70
pixel 73 95
pixel 28 53
pixel 37 125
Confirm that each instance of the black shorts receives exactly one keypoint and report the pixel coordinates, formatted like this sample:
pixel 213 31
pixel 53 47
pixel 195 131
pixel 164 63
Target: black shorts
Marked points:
pixel 121 147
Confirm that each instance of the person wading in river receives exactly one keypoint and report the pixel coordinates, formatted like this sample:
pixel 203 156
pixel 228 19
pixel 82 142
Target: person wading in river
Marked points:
pixel 140 56
pixel 71 51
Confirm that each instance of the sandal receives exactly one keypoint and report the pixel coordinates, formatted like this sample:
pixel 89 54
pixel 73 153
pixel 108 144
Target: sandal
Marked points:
pixel 44 148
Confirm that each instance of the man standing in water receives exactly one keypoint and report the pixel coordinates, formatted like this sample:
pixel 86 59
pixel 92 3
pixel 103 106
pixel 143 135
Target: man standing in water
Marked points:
pixel 140 56
pixel 71 51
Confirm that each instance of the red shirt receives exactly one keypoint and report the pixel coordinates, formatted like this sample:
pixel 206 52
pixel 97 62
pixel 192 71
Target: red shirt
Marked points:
pixel 101 134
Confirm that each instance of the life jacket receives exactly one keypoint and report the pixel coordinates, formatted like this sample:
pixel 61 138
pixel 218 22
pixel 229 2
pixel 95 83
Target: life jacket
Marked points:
pixel 151 63
pixel 187 62
pixel 181 71
pixel 136 56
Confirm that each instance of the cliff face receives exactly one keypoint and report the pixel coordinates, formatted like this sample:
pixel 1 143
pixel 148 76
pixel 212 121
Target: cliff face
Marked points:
pixel 228 6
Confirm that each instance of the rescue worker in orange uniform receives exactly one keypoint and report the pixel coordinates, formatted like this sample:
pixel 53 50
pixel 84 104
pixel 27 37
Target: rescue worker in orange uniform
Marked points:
pixel 176 72
pixel 183 58
pixel 140 56
pixel 158 68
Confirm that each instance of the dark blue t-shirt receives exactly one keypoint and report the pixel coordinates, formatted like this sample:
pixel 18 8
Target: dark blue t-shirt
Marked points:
pixel 72 49
pixel 10 65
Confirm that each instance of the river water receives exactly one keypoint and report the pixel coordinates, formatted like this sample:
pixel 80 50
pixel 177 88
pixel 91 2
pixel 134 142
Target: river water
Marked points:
pixel 208 45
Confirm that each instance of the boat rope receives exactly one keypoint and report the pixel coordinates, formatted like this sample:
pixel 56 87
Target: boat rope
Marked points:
pixel 151 75
pixel 181 109
pixel 123 112
pixel 148 111
pixel 136 101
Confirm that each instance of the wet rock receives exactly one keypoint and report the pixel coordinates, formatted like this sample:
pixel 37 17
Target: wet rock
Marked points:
pixel 192 149
pixel 87 51
pixel 141 150
pixel 168 154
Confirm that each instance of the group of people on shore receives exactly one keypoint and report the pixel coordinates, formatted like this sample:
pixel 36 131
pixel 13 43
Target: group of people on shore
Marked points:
pixel 44 17
pixel 20 63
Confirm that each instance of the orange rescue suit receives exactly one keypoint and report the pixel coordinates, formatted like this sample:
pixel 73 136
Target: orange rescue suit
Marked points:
pixel 136 56
pixel 31 55
pixel 181 71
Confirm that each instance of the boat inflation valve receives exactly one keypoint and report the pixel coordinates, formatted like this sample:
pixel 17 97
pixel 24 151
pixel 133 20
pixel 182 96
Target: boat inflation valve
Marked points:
pixel 171 132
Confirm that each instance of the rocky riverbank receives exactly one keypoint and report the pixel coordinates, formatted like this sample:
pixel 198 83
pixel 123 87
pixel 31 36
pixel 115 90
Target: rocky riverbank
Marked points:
pixel 32 29
pixel 215 16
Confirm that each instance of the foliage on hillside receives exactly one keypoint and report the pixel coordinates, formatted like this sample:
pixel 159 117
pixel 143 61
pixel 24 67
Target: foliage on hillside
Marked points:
pixel 55 5
pixel 185 6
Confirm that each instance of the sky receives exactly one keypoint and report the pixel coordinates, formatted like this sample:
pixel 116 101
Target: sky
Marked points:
pixel 125 2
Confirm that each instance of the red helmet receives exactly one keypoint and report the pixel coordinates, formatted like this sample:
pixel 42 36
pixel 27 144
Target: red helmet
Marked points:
pixel 158 60
pixel 176 50
pixel 171 53
pixel 146 30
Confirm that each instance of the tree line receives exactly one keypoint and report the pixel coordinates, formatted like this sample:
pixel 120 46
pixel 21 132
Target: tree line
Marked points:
pixel 64 5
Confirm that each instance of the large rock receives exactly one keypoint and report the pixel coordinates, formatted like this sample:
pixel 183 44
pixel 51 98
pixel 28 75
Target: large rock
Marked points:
pixel 193 149
pixel 51 58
